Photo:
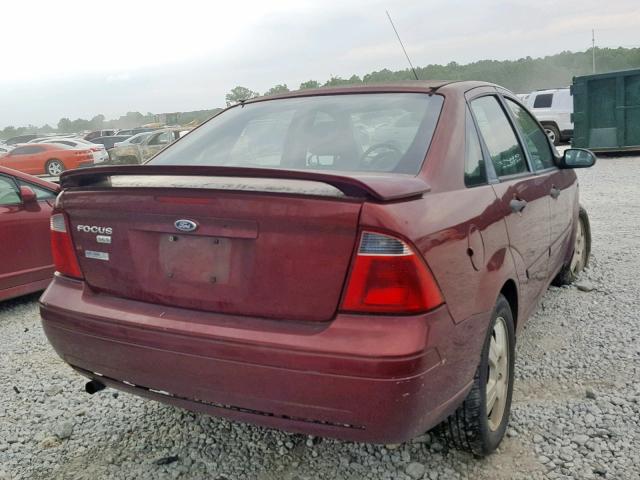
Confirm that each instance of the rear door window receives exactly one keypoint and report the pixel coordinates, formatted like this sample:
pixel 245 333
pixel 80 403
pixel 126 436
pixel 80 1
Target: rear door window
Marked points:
pixel 502 143
pixel 543 100
pixel 28 150
pixel 475 172
pixel 163 138
pixel 535 138
pixel 20 151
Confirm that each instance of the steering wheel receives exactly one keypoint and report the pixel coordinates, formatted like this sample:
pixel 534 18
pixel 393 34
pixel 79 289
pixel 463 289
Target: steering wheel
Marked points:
pixel 380 156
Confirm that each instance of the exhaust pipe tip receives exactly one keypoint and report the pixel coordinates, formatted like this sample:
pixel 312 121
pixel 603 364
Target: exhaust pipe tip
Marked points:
pixel 94 386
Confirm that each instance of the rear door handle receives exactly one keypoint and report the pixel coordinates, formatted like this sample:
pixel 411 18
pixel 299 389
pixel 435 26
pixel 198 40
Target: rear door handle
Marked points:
pixel 555 192
pixel 517 205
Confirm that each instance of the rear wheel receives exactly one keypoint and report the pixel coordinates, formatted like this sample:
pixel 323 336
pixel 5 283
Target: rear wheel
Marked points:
pixel 479 424
pixel 581 252
pixel 54 167
pixel 553 133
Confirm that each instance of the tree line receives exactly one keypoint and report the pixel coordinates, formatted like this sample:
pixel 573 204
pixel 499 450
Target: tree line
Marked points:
pixel 521 76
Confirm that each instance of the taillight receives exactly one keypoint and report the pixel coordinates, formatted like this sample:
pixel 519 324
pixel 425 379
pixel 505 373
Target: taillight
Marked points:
pixel 64 255
pixel 387 276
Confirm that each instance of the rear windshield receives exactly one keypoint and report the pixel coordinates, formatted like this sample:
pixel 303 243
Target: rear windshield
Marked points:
pixel 383 132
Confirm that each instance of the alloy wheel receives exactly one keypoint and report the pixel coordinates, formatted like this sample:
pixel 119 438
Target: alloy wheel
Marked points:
pixel 498 378
pixel 551 134
pixel 54 168
pixel 578 260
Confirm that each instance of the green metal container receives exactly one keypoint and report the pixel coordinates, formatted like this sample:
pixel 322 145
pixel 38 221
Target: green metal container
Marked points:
pixel 606 111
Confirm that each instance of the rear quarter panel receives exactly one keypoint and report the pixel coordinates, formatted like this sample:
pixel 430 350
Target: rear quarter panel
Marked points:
pixel 444 227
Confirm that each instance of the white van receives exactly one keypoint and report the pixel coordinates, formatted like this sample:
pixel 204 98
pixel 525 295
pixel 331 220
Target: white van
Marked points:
pixel 553 109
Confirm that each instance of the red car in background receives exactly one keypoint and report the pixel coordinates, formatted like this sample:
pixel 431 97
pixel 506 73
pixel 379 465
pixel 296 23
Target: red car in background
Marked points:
pixel 46 158
pixel 25 207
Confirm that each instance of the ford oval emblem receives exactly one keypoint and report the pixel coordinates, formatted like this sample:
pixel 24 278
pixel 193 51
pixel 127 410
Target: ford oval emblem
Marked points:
pixel 185 225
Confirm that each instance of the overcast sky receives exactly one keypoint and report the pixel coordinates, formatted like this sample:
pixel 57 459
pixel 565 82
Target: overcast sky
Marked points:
pixel 76 58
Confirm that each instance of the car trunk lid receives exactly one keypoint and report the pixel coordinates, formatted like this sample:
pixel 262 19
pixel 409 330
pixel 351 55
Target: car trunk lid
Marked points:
pixel 256 246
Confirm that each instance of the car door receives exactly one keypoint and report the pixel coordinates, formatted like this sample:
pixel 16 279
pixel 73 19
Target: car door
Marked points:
pixel 523 196
pixel 15 159
pixel 24 235
pixel 156 143
pixel 561 184
pixel 26 159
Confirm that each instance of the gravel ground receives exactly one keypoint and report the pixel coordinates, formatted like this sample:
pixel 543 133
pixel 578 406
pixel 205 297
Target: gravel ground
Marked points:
pixel 576 405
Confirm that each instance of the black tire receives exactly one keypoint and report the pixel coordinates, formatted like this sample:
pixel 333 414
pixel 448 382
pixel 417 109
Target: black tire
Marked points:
pixel 468 428
pixel 54 167
pixel 553 133
pixel 570 271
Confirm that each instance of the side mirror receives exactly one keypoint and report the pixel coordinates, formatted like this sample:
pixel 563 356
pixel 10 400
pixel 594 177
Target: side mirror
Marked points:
pixel 27 195
pixel 577 158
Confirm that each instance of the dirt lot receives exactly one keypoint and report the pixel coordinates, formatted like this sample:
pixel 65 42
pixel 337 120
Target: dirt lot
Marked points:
pixel 576 412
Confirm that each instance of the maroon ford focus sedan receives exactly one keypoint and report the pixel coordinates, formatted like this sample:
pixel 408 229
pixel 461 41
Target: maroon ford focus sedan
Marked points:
pixel 350 262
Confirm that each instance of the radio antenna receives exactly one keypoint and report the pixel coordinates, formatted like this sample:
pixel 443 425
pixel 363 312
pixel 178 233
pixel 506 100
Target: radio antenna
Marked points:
pixel 402 45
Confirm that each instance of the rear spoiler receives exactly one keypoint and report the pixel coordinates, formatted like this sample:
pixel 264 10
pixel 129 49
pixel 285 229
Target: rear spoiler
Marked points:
pixel 383 187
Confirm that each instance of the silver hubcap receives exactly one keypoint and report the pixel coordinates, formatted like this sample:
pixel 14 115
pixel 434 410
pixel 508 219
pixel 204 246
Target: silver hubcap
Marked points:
pixel 551 134
pixel 55 168
pixel 579 251
pixel 498 381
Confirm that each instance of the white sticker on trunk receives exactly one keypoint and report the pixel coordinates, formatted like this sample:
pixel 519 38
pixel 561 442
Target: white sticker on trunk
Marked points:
pixel 96 255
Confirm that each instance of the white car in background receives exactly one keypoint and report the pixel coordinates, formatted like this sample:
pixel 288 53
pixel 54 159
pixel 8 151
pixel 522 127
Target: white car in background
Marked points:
pixel 99 152
pixel 553 109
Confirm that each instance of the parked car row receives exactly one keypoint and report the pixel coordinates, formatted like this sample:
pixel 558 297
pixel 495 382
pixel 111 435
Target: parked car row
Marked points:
pixel 52 155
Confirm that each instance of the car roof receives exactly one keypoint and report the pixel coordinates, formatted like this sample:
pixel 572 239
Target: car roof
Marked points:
pixel 408 86
pixel 50 146
pixel 141 134
pixel 58 139
pixel 29 178
pixel 38 144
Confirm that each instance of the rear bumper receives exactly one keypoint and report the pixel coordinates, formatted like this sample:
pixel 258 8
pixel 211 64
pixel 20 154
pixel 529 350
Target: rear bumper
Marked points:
pixel 374 379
